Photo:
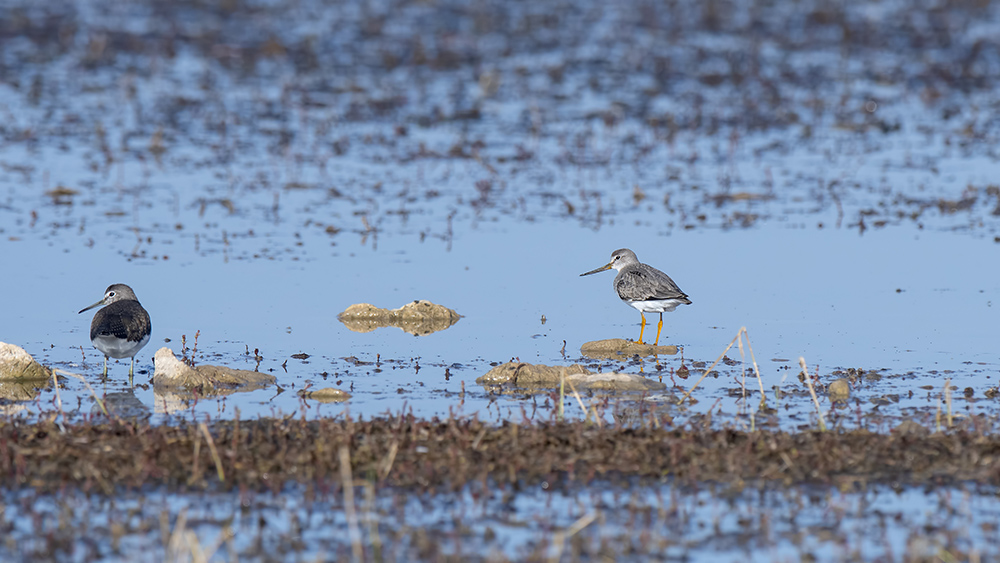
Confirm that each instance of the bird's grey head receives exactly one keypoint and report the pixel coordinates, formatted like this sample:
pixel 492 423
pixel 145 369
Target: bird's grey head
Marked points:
pixel 122 292
pixel 621 258
pixel 114 292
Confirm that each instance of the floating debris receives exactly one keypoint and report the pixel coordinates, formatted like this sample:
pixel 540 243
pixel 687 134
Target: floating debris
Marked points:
pixel 418 318
pixel 62 195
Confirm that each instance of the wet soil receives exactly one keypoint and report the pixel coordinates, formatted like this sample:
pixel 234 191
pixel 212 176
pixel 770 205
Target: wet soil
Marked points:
pixel 428 455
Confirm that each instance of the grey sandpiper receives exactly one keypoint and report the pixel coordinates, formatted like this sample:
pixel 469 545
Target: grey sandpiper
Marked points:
pixel 121 327
pixel 643 287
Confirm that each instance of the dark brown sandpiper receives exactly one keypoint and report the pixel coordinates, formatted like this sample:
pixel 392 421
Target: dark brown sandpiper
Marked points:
pixel 121 327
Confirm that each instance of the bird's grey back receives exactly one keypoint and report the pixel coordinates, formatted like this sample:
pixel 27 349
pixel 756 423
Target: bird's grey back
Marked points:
pixel 642 282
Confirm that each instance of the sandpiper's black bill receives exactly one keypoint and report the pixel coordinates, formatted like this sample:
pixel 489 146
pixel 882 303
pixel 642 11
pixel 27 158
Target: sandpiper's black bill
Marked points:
pixel 601 269
pixel 101 302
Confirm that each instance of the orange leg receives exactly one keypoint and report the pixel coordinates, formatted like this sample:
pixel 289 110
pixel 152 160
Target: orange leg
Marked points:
pixel 659 327
pixel 642 328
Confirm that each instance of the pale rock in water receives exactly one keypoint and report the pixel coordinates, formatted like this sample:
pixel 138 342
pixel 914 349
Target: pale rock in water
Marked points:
pixel 171 373
pixel 16 364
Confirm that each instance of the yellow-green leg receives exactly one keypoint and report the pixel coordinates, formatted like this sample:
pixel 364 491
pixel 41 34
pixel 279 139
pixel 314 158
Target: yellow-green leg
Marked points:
pixel 105 366
pixel 659 327
pixel 131 367
pixel 642 327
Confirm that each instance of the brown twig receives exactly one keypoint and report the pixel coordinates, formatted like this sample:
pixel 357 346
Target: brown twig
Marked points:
pixel 215 453
pixel 819 411
pixel 347 482
pixel 97 399
pixel 709 370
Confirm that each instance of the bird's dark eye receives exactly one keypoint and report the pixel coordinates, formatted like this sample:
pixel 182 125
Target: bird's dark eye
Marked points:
pixel 111 294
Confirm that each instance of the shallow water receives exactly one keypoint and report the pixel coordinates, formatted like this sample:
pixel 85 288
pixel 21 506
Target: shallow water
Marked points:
pixel 633 522
pixel 876 309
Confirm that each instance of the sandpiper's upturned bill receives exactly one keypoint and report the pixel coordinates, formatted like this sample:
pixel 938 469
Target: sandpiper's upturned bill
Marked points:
pixel 643 287
pixel 121 328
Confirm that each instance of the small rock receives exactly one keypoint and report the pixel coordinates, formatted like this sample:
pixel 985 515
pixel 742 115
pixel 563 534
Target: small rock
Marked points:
pixel 418 318
pixel 171 373
pixel 325 395
pixel 619 348
pixel 839 390
pixel 538 375
pixel 17 365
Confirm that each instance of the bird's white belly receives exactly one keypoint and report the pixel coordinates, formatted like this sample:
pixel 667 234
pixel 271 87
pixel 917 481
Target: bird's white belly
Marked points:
pixel 656 306
pixel 118 348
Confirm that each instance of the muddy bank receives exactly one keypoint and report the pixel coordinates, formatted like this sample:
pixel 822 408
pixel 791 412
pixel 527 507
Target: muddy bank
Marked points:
pixel 432 454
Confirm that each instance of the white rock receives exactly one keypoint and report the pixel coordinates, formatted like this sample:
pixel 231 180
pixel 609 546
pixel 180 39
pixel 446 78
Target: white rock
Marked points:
pixel 171 373
pixel 17 364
